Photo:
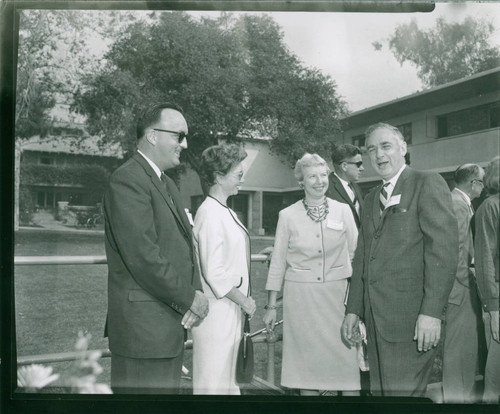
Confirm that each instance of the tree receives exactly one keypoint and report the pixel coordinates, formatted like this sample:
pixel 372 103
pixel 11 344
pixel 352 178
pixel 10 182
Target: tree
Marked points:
pixel 233 78
pixel 53 54
pixel 447 52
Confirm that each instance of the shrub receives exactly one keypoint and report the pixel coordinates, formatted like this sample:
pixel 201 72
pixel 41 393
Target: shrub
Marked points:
pixel 26 206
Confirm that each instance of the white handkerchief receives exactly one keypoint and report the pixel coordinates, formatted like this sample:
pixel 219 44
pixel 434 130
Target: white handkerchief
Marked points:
pixel 189 216
pixel 393 201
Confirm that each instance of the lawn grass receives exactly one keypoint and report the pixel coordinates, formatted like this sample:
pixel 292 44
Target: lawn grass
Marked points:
pixel 54 302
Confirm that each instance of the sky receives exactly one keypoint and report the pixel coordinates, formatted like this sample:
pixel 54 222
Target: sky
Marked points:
pixel 340 45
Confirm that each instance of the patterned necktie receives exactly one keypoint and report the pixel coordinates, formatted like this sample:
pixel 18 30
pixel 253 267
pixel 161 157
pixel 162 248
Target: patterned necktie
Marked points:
pixel 383 197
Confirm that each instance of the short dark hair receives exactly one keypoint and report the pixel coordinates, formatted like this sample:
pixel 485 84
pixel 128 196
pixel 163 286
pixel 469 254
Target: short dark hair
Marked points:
pixel 344 151
pixel 465 173
pixel 220 159
pixel 152 114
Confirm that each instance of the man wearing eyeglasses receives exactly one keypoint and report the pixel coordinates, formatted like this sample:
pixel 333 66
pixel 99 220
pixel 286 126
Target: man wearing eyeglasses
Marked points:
pixel 154 288
pixel 347 167
pixel 460 350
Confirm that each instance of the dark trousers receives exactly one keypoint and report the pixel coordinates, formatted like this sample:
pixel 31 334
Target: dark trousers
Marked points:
pixel 396 368
pixel 146 376
pixel 460 350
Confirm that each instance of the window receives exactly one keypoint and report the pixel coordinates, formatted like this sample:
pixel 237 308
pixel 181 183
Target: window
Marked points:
pixel 358 140
pixel 47 160
pixel 405 129
pixel 469 120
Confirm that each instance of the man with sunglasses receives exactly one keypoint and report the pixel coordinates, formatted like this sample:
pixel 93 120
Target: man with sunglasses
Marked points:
pixel 154 287
pixel 347 167
pixel 460 352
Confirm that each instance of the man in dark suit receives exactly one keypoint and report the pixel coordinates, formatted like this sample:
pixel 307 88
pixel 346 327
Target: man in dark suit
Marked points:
pixel 347 165
pixel 460 347
pixel 154 288
pixel 403 269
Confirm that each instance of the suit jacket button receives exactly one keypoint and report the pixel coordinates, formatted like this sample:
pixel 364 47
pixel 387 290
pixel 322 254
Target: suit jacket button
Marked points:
pixel 319 278
pixel 372 259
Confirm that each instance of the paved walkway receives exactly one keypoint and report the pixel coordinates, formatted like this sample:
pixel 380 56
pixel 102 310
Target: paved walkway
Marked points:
pixel 45 221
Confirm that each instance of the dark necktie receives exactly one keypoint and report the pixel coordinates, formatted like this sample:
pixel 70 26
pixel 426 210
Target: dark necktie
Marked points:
pixel 383 197
pixel 164 180
pixel 355 200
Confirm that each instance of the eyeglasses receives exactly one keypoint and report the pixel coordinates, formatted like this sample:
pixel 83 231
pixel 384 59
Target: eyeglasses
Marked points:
pixel 180 134
pixel 479 181
pixel 357 164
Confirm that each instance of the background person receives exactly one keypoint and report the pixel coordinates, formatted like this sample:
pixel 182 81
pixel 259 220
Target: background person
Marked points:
pixel 404 267
pixel 487 262
pixel 347 166
pixel 460 346
pixel 222 247
pixel 153 285
pixel 314 245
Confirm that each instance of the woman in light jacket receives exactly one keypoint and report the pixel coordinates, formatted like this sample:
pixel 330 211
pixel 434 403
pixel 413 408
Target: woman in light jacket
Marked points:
pixel 222 248
pixel 314 245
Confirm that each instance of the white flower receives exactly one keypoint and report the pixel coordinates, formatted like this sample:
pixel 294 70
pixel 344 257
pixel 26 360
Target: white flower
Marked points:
pixel 35 376
pixel 96 389
pixel 82 341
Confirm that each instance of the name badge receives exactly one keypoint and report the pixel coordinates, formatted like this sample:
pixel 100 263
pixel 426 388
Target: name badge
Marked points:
pixel 393 201
pixel 335 225
pixel 189 216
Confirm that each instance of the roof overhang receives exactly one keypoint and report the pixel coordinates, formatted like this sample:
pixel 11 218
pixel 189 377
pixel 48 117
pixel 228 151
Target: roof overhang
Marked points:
pixel 473 86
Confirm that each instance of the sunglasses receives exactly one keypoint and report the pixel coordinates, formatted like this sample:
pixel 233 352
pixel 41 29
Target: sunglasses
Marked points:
pixel 180 135
pixel 357 164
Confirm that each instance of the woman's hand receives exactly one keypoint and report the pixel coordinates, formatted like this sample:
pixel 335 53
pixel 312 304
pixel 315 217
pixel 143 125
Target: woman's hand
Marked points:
pixel 270 319
pixel 249 306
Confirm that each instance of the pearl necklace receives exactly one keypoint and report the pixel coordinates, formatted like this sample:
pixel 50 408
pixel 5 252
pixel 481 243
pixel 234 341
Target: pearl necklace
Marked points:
pixel 316 213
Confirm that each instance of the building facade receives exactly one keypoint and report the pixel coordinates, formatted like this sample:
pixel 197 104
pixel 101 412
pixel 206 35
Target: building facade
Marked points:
pixel 444 127
pixel 66 168
pixel 269 186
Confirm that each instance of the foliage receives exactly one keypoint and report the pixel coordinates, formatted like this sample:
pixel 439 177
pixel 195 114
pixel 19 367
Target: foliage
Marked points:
pixel 447 52
pixel 80 378
pixel 26 205
pixel 233 77
pixel 94 178
pixel 55 50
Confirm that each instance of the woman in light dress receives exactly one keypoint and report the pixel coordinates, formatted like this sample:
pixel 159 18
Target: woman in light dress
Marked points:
pixel 222 248
pixel 314 245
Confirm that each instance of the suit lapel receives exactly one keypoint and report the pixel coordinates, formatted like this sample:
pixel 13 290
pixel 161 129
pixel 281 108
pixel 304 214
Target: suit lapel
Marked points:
pixel 376 207
pixel 341 190
pixel 160 186
pixel 398 190
pixel 343 193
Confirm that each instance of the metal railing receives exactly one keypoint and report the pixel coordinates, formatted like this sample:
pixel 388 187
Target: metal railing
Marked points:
pixel 258 337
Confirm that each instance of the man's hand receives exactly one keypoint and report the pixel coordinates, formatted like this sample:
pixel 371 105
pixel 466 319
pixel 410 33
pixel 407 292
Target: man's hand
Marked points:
pixel 350 329
pixel 494 325
pixel 189 319
pixel 427 332
pixel 200 305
